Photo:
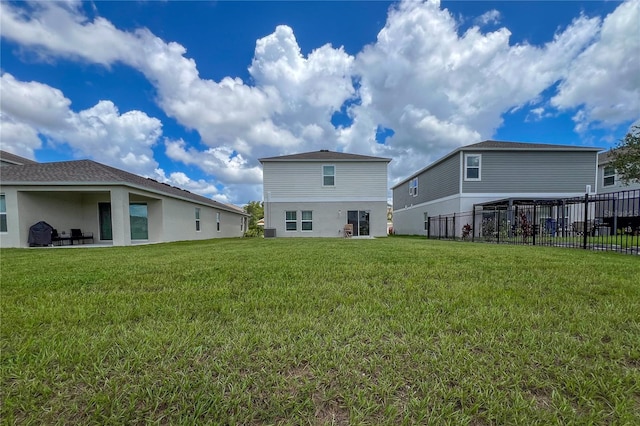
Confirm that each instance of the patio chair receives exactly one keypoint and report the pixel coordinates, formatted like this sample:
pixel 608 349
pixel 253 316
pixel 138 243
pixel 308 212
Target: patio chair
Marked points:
pixel 78 235
pixel 348 230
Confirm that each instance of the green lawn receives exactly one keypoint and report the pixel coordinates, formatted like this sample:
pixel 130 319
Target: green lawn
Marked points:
pixel 322 331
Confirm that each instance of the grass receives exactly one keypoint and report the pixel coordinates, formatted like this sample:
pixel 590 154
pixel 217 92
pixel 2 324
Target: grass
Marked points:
pixel 322 331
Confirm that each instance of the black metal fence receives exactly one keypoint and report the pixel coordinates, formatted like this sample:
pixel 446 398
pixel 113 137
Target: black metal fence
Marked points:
pixel 597 222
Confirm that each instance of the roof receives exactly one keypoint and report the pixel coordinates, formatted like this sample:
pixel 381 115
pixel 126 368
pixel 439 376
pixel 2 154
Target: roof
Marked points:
pixel 88 172
pixel 7 157
pixel 491 145
pixel 324 155
pixel 509 146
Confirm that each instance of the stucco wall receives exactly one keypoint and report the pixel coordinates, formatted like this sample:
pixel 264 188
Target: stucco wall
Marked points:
pixel 329 218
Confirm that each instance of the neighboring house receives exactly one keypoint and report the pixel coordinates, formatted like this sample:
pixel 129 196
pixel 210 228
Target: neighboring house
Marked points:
pixel 490 171
pixel 608 179
pixel 117 207
pixel 315 194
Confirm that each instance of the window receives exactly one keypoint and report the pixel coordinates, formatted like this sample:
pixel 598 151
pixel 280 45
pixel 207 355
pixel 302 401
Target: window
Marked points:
pixel 426 221
pixel 307 220
pixel 328 175
pixel 197 219
pixel 218 221
pixel 609 176
pixel 139 221
pixel 472 167
pixel 291 221
pixel 413 187
pixel 3 214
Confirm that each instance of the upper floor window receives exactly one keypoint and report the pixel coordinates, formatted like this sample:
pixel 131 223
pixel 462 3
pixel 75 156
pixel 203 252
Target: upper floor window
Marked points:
pixel 472 164
pixel 413 187
pixel 197 219
pixel 609 177
pixel 3 214
pixel 328 175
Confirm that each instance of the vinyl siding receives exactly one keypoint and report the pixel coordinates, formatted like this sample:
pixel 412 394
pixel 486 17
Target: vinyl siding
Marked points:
pixel 443 180
pixel 300 181
pixel 533 172
pixel 617 186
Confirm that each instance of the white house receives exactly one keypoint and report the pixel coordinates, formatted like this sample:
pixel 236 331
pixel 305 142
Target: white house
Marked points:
pixel 116 207
pixel 315 194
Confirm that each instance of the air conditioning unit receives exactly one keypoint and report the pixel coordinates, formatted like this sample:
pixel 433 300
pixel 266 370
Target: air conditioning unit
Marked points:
pixel 269 232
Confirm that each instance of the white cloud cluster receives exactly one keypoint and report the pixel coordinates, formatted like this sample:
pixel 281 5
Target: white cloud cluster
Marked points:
pixel 437 89
pixel 603 82
pixel 100 132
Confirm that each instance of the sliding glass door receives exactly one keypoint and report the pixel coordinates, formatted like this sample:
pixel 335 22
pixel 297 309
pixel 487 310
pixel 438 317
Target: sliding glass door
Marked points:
pixel 360 221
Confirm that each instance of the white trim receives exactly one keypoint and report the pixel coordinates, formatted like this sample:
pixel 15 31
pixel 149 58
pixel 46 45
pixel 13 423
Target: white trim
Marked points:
pixel 495 196
pixel 346 199
pixel 334 175
pixel 605 176
pixel 461 172
pixel 290 221
pixel 466 166
pixel 302 221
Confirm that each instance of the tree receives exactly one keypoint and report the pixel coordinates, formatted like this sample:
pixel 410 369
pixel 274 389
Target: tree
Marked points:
pixel 626 157
pixel 256 210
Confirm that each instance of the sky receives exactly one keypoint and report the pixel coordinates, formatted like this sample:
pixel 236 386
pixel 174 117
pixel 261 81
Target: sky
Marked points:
pixel 193 93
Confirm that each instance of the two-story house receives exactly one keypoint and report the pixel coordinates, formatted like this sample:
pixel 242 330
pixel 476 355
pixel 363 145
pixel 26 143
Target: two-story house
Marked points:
pixel 315 194
pixel 489 171
pixel 608 180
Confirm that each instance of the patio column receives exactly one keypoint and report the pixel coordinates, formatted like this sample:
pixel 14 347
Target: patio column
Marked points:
pixel 120 223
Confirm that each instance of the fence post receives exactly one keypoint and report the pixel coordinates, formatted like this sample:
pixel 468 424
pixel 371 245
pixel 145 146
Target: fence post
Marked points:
pixel 455 231
pixel 535 223
pixel 473 222
pixel 497 226
pixel 446 227
pixel 439 226
pixel 428 226
pixel 586 218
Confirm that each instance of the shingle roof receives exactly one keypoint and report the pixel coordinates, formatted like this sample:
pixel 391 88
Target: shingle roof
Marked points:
pixel 87 172
pixel 490 144
pixel 14 159
pixel 324 155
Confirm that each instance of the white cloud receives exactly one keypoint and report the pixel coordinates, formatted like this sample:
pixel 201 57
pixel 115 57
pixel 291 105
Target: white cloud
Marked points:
pixel 100 132
pixel 603 83
pixel 18 138
pixel 437 89
pixel 491 17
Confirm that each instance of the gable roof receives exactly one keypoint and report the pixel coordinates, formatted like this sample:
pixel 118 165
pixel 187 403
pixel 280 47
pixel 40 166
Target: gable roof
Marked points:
pixel 13 159
pixel 88 172
pixel 491 145
pixel 324 155
pixel 509 146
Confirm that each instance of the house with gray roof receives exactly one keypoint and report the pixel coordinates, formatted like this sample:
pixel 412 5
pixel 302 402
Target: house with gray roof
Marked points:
pixel 490 171
pixel 115 207
pixel 315 194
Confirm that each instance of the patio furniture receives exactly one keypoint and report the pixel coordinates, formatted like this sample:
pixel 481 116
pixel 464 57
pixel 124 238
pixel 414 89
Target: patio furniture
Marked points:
pixel 348 230
pixel 79 236
pixel 57 238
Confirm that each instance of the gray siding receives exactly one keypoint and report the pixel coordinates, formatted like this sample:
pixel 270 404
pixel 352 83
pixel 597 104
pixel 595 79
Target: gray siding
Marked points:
pixel 440 181
pixel 533 172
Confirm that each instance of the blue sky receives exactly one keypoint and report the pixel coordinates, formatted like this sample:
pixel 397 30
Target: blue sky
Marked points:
pixel 193 93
